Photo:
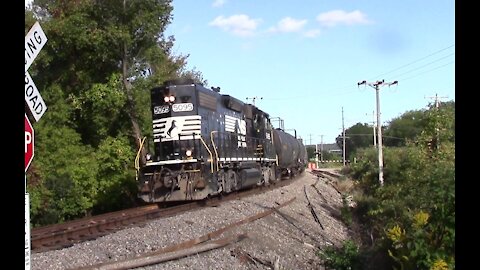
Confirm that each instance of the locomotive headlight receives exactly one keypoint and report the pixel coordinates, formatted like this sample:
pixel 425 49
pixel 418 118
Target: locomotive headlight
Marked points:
pixel 148 156
pixel 172 98
pixel 188 153
pixel 166 99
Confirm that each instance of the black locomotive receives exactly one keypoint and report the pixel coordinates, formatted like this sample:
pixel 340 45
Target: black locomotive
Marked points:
pixel 207 143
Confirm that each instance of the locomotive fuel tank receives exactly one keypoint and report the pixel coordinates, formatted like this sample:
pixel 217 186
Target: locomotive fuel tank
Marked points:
pixel 288 148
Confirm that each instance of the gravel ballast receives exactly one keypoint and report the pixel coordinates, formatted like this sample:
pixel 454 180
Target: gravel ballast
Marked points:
pixel 289 238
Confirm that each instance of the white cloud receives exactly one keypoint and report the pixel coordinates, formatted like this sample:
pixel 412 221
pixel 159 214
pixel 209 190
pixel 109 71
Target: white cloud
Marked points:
pixel 311 33
pixel 240 25
pixel 336 17
pixel 288 24
pixel 218 3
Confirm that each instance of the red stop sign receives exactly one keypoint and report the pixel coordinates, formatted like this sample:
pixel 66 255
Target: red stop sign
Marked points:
pixel 28 143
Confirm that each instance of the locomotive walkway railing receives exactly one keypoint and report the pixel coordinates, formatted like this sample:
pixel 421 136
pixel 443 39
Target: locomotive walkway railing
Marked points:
pixel 234 147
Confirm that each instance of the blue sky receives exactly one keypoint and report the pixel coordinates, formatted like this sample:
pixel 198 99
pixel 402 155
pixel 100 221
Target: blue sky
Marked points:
pixel 305 58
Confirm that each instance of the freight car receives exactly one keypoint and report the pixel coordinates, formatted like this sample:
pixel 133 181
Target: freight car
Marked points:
pixel 206 143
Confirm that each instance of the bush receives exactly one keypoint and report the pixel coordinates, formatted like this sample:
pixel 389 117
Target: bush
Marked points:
pixel 413 214
pixel 344 258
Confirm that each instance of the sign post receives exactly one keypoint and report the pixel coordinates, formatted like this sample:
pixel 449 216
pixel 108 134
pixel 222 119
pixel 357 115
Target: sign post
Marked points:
pixel 29 152
pixel 34 42
pixel 27 231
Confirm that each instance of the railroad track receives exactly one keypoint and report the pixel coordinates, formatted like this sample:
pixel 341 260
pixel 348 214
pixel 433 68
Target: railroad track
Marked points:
pixel 323 172
pixel 329 175
pixel 63 235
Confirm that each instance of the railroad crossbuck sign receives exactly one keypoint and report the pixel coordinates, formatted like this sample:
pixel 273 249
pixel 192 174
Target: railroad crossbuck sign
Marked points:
pixel 34 42
pixel 29 143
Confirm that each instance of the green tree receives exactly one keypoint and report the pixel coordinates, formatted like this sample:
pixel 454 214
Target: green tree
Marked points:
pixel 62 180
pixel 310 152
pixel 67 172
pixel 98 38
pixel 100 60
pixel 406 127
pixel 358 136
pixel 116 185
pixel 100 105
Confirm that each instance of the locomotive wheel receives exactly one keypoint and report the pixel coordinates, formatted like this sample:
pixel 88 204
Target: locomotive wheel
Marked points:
pixel 275 175
pixel 231 181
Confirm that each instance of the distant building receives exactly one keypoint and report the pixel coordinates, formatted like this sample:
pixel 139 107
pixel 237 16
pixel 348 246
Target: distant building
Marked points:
pixel 331 148
pixel 327 147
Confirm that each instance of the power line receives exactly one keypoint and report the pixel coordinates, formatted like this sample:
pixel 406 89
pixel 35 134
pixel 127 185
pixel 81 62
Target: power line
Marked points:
pixel 346 87
pixel 416 75
pixel 254 98
pixel 415 61
pixel 372 134
pixel 323 97
pixel 424 65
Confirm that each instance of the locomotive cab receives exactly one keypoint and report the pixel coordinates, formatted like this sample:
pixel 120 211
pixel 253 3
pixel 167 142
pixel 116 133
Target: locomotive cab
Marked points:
pixel 176 122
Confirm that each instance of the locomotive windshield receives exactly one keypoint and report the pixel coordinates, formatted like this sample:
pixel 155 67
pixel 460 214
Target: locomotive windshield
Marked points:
pixel 170 101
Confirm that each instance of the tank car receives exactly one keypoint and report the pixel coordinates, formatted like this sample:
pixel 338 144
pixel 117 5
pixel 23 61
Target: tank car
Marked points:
pixel 292 155
pixel 206 143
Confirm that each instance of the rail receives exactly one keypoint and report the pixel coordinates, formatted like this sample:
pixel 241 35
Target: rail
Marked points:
pixel 59 236
pixel 214 147
pixel 237 147
pixel 210 152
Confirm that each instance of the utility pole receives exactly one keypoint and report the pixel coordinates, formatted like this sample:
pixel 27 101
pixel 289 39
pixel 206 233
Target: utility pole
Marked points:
pixel 437 104
pixel 376 85
pixel 310 135
pixel 343 129
pixel 321 148
pixel 436 97
pixel 254 98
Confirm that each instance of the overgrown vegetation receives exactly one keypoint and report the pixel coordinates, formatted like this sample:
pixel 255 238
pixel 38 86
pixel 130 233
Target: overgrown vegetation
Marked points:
pixel 344 258
pixel 409 222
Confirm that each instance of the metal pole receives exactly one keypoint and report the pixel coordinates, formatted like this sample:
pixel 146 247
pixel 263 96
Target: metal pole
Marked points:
pixel 379 131
pixel 321 149
pixel 374 135
pixel 437 104
pixel 343 128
